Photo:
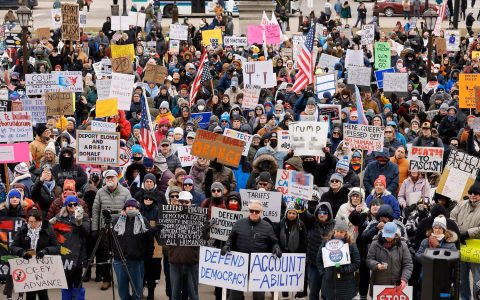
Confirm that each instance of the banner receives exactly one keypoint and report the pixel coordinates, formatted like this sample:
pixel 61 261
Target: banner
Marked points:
pixel 182 226
pixel 272 202
pixel 70 22
pixel 185 156
pixel 37 108
pixel 368 34
pixel 283 141
pixel 395 82
pixel 359 75
pixel 238 135
pixel 325 83
pixel 212 37
pixel 178 32
pixel 38 274
pixel 381 292
pixel 328 61
pixel 59 103
pixel 106 108
pixel 203 119
pixel 229 271
pixel 100 148
pixel 224 221
pixel 121 88
pixel 259 73
pixel 471 251
pixel 272 274
pixel 235 41
pixel 12 153
pixel 251 93
pixel 308 138
pixel 335 252
pixel 458 175
pixel 382 55
pixel 255 34
pixel 103 126
pixel 364 137
pixel 426 159
pixel 16 127
pixel 379 76
pixel 466 84
pixel 209 145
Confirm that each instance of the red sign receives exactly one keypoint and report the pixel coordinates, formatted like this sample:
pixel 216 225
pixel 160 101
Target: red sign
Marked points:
pixel 382 292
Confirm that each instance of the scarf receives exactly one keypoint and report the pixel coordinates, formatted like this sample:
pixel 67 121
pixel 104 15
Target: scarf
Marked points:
pixel 439 237
pixel 138 226
pixel 293 235
pixel 50 185
pixel 34 235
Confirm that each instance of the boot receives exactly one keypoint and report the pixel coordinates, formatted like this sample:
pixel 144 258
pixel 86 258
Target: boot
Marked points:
pixel 151 293
pixel 88 275
pixel 105 285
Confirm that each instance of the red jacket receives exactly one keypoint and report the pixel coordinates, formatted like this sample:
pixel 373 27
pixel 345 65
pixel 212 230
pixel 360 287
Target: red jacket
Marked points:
pixel 124 126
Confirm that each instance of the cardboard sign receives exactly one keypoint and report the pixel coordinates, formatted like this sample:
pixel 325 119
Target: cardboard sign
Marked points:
pixel 224 221
pixel 43 32
pixel 382 55
pixel 441 46
pixel 471 251
pixel 174 46
pixel 426 159
pixel 272 274
pixel 185 156
pixel 395 82
pixel 381 292
pixel 466 84
pixel 238 135
pixel 354 58
pixel 255 34
pixel 122 65
pixel 272 202
pixel 283 141
pixel 100 148
pixel 325 83
pixel 106 107
pixel 328 61
pixel 12 153
pixel 16 127
pixel 213 35
pixel 359 75
pixel 226 150
pixel 59 103
pixel 229 271
pixel 308 138
pixel 364 137
pixel 235 41
pixel 70 22
pixel 178 32
pixel 154 73
pixel 121 88
pixel 379 74
pixel 38 274
pixel 203 119
pixel 182 226
pixel 251 94
pixel 103 126
pixel 37 108
pixel 368 34
pixel 335 252
pixel 259 73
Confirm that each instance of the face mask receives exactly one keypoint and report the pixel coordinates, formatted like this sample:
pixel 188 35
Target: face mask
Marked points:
pixel 233 206
pixel 399 66
pixel 131 213
pixel 137 158
pixel 273 143
pixel 414 98
pixel 64 144
pixel 201 107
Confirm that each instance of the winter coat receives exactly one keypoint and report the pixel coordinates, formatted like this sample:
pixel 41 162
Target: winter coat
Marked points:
pixel 403 166
pixel 448 129
pixel 252 237
pixel 64 171
pixel 431 141
pixel 256 169
pixel 421 185
pixel 106 199
pixel 426 224
pixel 224 175
pixel 183 255
pixel 173 161
pixel 43 196
pixel 124 127
pixel 346 209
pixel 335 199
pixel 198 172
pixel 374 169
pixel 26 180
pixel 473 145
pixel 159 196
pixel 47 241
pixel 349 181
pixel 279 156
pixel 387 198
pixel 134 246
pixel 346 12
pixel 285 229
pixel 467 216
pixel 242 173
pixel 57 206
pixel 37 149
pixel 448 242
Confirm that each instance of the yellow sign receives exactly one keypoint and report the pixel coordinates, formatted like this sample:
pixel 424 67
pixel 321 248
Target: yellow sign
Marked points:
pixel 122 51
pixel 471 251
pixel 106 108
pixel 466 84
pixel 212 37
pixel 475 55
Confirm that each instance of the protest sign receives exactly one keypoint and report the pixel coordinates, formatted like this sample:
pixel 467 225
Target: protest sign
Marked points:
pixel 308 138
pixel 70 22
pixel 251 93
pixel 38 274
pixel 182 226
pixel 325 83
pixel 43 32
pixel 103 126
pixel 120 23
pixel 359 75
pixel 212 146
pixel 38 84
pixel 235 41
pixel 36 106
pixel 333 111
pixel 56 15
pixel 213 36
pixel 476 125
pixel 283 141
pixel 97 68
pixel 123 51
pixel 229 271
pixel 238 135
pixel 458 175
pixel 466 84
pixel 136 18
pixel 12 153
pixel 59 103
pixel 354 58
pixel 82 19
pixel 281 185
pixel 106 67
pixel 395 82
pixel 16 127
pixel 178 32
pixel 4 94
pixel 272 34
pixel 286 53
pixel 272 274
pixel 381 292
pixel 259 73
pixel 368 34
pixel 452 38
pixel 124 156
pixel 364 137
pixel 224 221
pixel 297 44
pixel 426 159
pixel 328 61
pixel 203 119
pixel 100 148
pixel 255 34
pixel 185 156
pixel 272 202
pixel 154 73
pixel 122 65
pixel 106 107
pixel 121 88
pixel 103 88
pixel 13 40
pixel 441 46
pixel 300 184
pixel 382 55
pixel 308 118
pixel 9 227
pixel 174 46
pixel 471 251
pixel 335 252
pixel 69 81
pixel 379 74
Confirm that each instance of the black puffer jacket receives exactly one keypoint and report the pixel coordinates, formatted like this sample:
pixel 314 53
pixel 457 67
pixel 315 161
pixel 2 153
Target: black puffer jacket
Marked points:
pixel 47 241
pixel 69 170
pixel 335 200
pixel 252 237
pixel 134 246
pixel 317 232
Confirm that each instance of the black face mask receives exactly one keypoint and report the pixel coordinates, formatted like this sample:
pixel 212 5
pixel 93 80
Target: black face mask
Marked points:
pixel 218 166
pixel 137 158
pixel 66 162
pixel 273 143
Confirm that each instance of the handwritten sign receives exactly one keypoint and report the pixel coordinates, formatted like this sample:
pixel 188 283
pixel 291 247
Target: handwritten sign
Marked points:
pixel 122 65
pixel 185 156
pixel 251 93
pixel 70 22
pixel 59 103
pixel 259 73
pixel 364 137
pixel 379 74
pixel 121 88
pixel 182 226
pixel 36 106
pixel 238 135
pixel 271 202
pixel 426 159
pixel 354 58
pixel 154 73
pixel 395 82
pixel 212 35
pixel 212 146
pixel 38 84
pixel 16 127
pixel 224 221
pixel 359 75
pixel 328 61
pixel 103 126
pixel 101 148
pixel 382 55
pixel 467 83
pixel 300 184
pixel 255 34
pixel 368 34
pixel 103 88
pixel 471 251
pixel 178 32
pixel 235 41
pixel 308 138
pixel 272 34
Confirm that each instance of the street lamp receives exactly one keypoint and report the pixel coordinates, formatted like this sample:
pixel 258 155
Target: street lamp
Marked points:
pixel 430 17
pixel 23 15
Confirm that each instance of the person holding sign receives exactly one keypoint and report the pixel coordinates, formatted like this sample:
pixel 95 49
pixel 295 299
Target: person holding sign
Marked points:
pixel 252 235
pixel 338 281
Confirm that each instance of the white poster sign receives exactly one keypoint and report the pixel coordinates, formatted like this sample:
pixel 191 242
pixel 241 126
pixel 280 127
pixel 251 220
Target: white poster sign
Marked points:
pixel 101 148
pixel 328 61
pixel 359 75
pixel 184 153
pixel 335 252
pixel 178 32
pixel 121 88
pixel 308 138
pixel 452 38
pixel 259 73
pixel 272 202
pixel 251 93
pixel 224 221
pixel 16 127
pixel 395 82
pixel 283 141
pixel 238 135
pixel 235 41
pixel 365 137
pixel 368 34
pixel 354 58
pixel 103 88
pixel 36 106
pixel 325 83
pixel 103 126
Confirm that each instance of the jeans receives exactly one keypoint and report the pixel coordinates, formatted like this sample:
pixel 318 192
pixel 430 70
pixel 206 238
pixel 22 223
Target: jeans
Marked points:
pixel 136 270
pixel 184 277
pixel 406 14
pixel 361 21
pixel 314 282
pixel 10 25
pixel 465 268
pixel 42 295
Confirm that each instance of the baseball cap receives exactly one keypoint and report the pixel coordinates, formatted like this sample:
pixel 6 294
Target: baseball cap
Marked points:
pixel 389 230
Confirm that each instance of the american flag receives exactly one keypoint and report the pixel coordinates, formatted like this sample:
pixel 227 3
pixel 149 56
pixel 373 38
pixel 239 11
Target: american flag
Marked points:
pixel 197 82
pixel 442 11
pixel 304 63
pixel 147 136
pixel 362 119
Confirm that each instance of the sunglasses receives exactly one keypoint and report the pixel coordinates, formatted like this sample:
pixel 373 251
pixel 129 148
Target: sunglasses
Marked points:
pixel 188 184
pixel 258 109
pixel 254 211
pixel 335 181
pixel 190 138
pixel 163 108
pixel 323 213
pixel 279 111
pixel 174 196
pixel 165 145
pixel 147 199
pixel 335 132
pixel 263 184
pixel 388 131
pixel 216 191
pixel 184 201
pixel 223 121
pixel 72 204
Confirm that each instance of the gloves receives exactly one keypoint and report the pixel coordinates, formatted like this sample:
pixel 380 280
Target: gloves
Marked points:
pixel 225 250
pixel 26 255
pixel 277 252
pixel 463 237
pixel 41 254
pixel 53 220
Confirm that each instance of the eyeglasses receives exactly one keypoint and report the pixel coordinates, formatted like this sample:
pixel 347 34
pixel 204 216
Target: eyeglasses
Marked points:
pixel 255 211
pixel 174 196
pixel 336 132
pixel 188 184
pixel 184 201
pixel 72 204
pixel 334 181
pixel 263 184
pixel 216 191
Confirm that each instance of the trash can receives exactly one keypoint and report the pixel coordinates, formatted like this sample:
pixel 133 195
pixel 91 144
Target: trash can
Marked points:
pixel 440 274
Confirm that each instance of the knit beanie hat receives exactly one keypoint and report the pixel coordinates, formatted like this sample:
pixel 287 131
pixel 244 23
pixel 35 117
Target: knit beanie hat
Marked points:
pixel 343 164
pixel 51 147
pixel 381 179
pixel 147 162
pixel 179 172
pixel 178 130
pixel 137 149
pixel 14 193
pixel 341 225
pixel 440 221
pixel 174 189
pixel 130 203
pixel 70 199
pixel 21 168
pixel 40 129
pixel 149 176
pixel 216 186
pixel 336 176
pixel 165 104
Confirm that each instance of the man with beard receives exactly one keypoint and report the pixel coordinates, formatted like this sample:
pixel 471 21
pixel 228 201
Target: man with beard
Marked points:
pixel 67 169
pixel 37 147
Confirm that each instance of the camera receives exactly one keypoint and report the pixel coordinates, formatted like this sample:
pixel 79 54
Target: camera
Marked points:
pixel 107 215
